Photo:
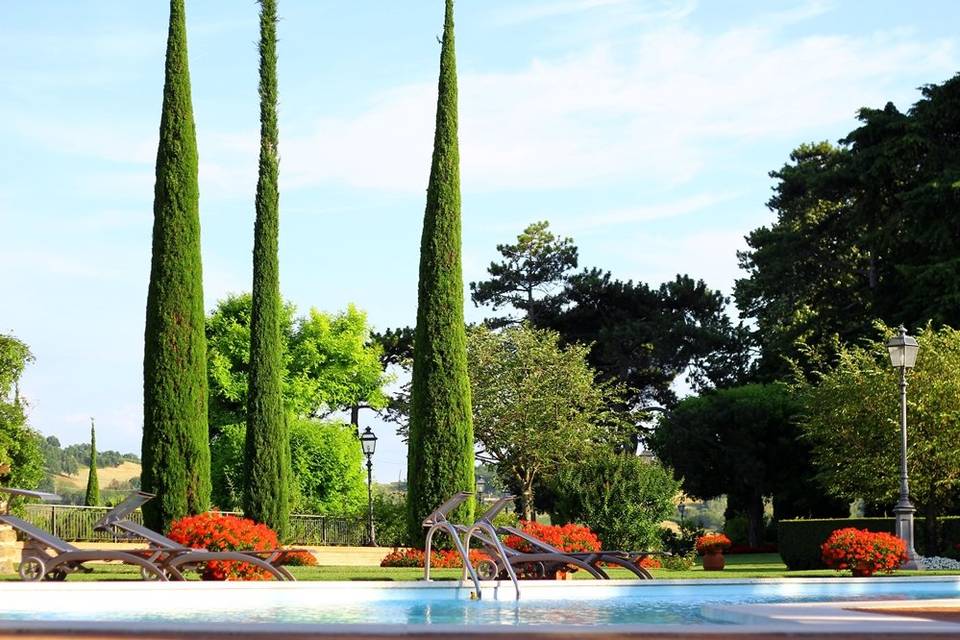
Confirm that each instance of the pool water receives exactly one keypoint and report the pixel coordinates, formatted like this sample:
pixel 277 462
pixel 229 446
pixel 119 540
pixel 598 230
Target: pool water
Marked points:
pixel 658 602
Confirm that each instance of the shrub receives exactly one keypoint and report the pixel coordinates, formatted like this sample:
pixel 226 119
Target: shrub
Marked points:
pixel 216 532
pixel 681 562
pixel 745 548
pixel 622 498
pixel 863 552
pixel 296 558
pixel 712 543
pixel 568 537
pixel 439 558
pixel 650 562
pixel 682 543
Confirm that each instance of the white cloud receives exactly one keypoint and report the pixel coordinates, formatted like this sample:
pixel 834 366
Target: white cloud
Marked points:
pixel 646 213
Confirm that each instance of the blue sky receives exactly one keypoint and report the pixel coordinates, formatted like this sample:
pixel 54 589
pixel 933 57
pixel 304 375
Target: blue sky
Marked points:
pixel 643 129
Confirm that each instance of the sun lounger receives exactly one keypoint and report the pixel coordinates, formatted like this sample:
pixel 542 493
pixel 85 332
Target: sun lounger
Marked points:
pixel 624 559
pixel 177 557
pixel 45 556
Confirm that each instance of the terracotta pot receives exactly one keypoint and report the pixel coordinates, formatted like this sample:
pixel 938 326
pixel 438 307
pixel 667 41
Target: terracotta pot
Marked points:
pixel 714 561
pixel 562 575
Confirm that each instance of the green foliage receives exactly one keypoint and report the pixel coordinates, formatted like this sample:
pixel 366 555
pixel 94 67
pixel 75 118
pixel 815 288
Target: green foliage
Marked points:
pixel 175 449
pixel 440 454
pixel 92 496
pixel 622 498
pixel 864 230
pixel 326 468
pixel 681 543
pixel 390 519
pixel 267 451
pixel 537 406
pixel 19 444
pixel 852 415
pixel 799 540
pixel 740 441
pixel 68 460
pixel 331 362
pixel 530 274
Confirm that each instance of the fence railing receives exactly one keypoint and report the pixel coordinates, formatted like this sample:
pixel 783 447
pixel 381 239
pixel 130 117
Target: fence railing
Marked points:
pixel 75 524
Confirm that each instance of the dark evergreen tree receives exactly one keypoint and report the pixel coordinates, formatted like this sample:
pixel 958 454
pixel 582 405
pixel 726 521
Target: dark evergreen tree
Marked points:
pixel 440 454
pixel 175 450
pixel 92 497
pixel 267 454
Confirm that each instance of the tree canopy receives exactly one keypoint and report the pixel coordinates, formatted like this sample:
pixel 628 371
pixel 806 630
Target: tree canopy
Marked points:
pixel 20 456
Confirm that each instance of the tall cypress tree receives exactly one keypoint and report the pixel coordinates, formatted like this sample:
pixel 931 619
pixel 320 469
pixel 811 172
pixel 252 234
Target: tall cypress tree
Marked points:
pixel 175 450
pixel 267 468
pixel 440 454
pixel 92 497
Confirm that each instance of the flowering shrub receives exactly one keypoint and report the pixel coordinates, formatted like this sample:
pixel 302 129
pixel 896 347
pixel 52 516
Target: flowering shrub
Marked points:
pixel 863 552
pixel 295 558
pixel 439 558
pixel 216 532
pixel 712 543
pixel 569 537
pixel 650 562
pixel 678 562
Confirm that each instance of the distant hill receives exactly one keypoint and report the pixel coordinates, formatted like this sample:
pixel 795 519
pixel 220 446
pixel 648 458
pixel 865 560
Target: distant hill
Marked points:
pixel 112 480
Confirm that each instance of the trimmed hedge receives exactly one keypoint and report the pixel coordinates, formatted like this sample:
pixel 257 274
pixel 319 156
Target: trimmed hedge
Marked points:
pixel 800 540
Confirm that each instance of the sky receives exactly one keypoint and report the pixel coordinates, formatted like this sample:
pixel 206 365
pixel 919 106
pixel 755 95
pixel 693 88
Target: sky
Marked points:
pixel 643 129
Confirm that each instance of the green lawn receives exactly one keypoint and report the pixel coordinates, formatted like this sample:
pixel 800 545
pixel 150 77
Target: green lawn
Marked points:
pixel 759 565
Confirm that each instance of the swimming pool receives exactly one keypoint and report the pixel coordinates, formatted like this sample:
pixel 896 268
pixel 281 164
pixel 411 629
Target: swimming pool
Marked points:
pixel 661 602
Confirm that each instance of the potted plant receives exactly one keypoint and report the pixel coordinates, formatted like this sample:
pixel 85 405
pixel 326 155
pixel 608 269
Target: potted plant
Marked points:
pixel 863 552
pixel 711 547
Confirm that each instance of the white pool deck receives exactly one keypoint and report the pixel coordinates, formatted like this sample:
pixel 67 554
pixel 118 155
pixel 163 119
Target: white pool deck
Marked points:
pixel 807 620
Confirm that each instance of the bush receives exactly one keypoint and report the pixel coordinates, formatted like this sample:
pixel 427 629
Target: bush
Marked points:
pixel 569 537
pixel 390 519
pixel 799 540
pixel 681 562
pixel 622 498
pixel 216 532
pixel 439 558
pixel 712 543
pixel 863 552
pixel 682 543
pixel 295 558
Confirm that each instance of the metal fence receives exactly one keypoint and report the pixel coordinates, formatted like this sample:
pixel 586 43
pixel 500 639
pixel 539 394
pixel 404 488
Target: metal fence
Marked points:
pixel 75 524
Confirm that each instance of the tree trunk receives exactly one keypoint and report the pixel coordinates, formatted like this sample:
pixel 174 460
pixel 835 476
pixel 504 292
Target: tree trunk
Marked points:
pixel 526 499
pixel 755 520
pixel 355 417
pixel 931 528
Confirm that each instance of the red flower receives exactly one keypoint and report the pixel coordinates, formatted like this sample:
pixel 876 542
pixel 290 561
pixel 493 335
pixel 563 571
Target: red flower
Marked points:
pixel 216 532
pixel 711 543
pixel 569 537
pixel 863 552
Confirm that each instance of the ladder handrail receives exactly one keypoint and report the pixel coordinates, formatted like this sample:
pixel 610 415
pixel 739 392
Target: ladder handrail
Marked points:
pixel 438 521
pixel 487 527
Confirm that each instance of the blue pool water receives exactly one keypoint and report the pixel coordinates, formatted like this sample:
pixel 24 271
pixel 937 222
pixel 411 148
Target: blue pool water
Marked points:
pixel 319 603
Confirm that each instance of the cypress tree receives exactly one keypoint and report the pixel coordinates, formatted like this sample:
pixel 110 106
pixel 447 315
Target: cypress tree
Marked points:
pixel 175 450
pixel 440 454
pixel 267 453
pixel 92 498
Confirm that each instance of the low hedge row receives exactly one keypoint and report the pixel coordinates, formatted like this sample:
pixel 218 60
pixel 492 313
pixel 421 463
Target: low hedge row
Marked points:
pixel 799 540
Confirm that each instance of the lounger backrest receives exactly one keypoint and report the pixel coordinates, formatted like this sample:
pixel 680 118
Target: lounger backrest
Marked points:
pixel 122 510
pixel 26 493
pixel 151 536
pixel 41 536
pixel 496 508
pixel 536 542
pixel 440 513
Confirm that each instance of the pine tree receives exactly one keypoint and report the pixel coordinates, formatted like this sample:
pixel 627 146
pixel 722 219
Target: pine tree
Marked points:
pixel 175 450
pixel 440 454
pixel 267 454
pixel 92 498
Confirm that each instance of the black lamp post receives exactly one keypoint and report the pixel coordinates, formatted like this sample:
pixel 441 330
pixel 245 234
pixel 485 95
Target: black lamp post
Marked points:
pixel 903 355
pixel 481 485
pixel 368 444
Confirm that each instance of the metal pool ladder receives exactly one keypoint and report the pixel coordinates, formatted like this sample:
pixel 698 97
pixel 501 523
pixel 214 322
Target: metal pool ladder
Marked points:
pixel 438 521
pixel 484 524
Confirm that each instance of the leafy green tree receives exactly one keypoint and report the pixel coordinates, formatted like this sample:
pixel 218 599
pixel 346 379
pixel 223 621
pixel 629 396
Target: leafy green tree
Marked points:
pixel 92 496
pixel 536 406
pixel 440 454
pixel 851 417
pixel 331 362
pixel 742 442
pixel 21 460
pixel 622 498
pixel 175 449
pixel 531 274
pixel 267 452
pixel 326 468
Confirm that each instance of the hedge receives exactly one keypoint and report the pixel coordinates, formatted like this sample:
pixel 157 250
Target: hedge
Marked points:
pixel 799 540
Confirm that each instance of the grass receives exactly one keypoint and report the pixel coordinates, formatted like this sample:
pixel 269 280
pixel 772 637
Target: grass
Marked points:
pixel 760 565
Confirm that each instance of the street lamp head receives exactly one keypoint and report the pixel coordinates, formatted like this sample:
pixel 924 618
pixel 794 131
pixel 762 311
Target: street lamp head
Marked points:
pixel 481 484
pixel 903 350
pixel 368 442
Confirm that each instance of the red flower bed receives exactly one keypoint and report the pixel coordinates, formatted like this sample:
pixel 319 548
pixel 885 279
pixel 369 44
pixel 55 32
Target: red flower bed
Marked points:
pixel 439 558
pixel 216 532
pixel 711 543
pixel 650 562
pixel 297 559
pixel 863 552
pixel 569 537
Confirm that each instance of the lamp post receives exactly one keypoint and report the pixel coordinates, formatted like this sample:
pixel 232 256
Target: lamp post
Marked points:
pixel 481 485
pixel 368 444
pixel 903 355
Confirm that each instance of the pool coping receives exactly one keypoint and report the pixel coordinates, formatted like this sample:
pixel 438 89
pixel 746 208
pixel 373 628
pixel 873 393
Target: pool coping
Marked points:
pixel 811 619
